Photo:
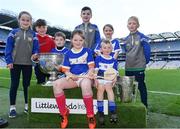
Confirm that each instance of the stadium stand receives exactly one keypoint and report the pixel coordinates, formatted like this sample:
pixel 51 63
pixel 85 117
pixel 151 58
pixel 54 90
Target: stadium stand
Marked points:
pixel 165 47
pixel 9 21
pixel 175 64
pixel 165 51
pixel 157 65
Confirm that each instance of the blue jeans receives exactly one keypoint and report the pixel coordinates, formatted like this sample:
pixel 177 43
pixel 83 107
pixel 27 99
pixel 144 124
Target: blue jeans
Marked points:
pixel 139 77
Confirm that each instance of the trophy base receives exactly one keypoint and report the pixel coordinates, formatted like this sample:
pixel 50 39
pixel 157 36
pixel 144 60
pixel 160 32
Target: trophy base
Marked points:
pixel 48 83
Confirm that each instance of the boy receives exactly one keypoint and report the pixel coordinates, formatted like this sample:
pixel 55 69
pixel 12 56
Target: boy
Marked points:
pixel 102 63
pixel 46 43
pixel 59 39
pixel 91 31
pixel 137 56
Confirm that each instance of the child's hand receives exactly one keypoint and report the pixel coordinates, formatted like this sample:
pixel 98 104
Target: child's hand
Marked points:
pixel 71 76
pixel 10 66
pixel 90 74
pixel 35 58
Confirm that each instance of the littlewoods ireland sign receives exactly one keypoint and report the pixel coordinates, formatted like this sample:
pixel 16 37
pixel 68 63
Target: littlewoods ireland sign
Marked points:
pixel 76 106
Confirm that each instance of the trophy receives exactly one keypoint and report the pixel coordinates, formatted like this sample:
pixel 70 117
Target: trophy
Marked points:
pixel 127 89
pixel 48 63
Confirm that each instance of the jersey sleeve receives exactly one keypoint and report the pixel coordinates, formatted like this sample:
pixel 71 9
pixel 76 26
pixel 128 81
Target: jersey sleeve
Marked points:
pixel 90 59
pixel 9 47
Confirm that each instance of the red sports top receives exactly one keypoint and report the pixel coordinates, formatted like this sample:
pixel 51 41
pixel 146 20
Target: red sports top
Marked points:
pixel 46 43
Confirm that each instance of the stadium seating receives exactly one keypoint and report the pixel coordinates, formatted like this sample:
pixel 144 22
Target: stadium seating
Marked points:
pixel 157 65
pixel 172 65
pixel 165 47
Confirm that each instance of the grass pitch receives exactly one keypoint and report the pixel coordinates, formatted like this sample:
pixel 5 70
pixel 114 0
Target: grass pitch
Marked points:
pixel 164 109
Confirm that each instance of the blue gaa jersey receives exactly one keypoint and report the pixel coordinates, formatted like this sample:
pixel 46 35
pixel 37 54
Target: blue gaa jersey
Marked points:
pixel 102 64
pixel 62 51
pixel 78 62
pixel 115 47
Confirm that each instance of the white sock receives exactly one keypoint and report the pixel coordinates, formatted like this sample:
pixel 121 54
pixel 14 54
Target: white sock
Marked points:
pixel 26 106
pixel 12 107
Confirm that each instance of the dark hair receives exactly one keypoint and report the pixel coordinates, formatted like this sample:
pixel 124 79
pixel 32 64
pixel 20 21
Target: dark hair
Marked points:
pixel 40 22
pixel 86 8
pixel 108 25
pixel 24 12
pixel 79 32
pixel 60 34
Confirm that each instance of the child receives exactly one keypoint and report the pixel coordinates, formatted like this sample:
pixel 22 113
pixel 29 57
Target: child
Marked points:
pixel 91 31
pixel 46 43
pixel 102 63
pixel 77 61
pixel 137 56
pixel 59 39
pixel 22 46
pixel 108 31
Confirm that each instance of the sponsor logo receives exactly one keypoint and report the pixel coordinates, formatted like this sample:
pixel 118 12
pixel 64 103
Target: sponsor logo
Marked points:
pixel 76 106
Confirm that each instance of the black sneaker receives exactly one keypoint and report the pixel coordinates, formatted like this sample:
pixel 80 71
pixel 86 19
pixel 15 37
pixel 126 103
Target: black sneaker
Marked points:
pixel 113 117
pixel 101 118
pixel 3 123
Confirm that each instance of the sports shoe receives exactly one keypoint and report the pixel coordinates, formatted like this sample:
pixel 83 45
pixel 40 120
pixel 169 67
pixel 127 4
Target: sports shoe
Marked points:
pixel 92 122
pixel 26 111
pixel 101 118
pixel 113 117
pixel 64 119
pixel 12 113
pixel 3 123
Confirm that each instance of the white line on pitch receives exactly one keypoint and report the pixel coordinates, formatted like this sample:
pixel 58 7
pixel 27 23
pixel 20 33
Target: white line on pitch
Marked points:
pixel 161 92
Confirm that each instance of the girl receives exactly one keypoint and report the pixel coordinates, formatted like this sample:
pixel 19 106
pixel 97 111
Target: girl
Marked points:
pixel 77 61
pixel 21 47
pixel 108 31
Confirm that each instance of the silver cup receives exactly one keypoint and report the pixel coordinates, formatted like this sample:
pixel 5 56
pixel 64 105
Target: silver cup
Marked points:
pixel 128 89
pixel 48 63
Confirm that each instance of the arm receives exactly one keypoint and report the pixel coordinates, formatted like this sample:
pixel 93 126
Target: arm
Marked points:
pixel 116 48
pixel 35 44
pixel 97 38
pixel 9 49
pixel 91 65
pixel 146 47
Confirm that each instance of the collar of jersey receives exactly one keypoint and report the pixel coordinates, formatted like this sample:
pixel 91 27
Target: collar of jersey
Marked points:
pixel 76 51
pixel 106 57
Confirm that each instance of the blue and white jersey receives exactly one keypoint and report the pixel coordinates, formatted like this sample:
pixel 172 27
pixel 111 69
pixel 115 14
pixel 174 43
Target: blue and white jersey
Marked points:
pixel 78 62
pixel 102 64
pixel 115 47
pixel 62 51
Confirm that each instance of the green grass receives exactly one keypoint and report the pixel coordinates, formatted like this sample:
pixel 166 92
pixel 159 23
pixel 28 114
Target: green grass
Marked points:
pixel 160 105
